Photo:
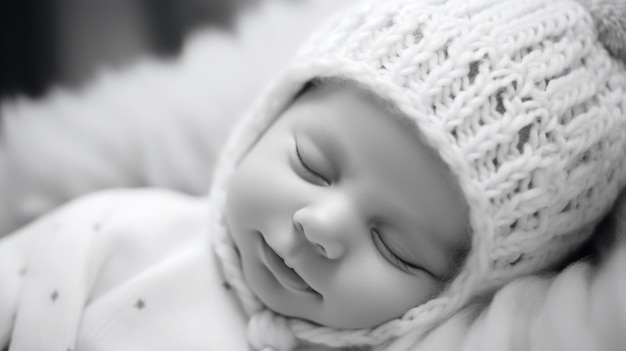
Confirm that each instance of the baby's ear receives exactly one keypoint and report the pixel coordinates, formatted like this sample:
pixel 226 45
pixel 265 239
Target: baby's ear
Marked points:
pixel 610 19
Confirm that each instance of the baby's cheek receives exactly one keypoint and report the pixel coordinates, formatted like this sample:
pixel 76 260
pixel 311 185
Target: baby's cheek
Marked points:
pixel 375 292
pixel 240 197
pixel 252 189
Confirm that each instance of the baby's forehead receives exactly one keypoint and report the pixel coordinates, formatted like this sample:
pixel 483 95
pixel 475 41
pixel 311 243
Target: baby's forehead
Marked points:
pixel 361 109
pixel 359 89
pixel 337 85
pixel 367 97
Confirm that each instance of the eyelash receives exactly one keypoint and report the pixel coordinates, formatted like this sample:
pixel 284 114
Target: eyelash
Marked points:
pixel 319 179
pixel 390 255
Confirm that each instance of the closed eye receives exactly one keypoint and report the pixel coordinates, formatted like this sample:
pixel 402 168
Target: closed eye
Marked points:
pixel 308 172
pixel 391 256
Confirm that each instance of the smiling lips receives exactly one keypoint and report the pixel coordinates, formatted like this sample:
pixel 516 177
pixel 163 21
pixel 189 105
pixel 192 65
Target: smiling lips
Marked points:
pixel 285 275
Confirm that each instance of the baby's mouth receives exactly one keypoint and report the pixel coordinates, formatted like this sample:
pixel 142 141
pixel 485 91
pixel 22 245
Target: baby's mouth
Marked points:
pixel 283 271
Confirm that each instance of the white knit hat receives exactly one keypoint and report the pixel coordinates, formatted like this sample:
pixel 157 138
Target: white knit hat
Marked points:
pixel 521 101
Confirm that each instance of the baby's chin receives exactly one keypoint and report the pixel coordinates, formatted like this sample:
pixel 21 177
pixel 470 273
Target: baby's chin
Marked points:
pixel 301 305
pixel 320 314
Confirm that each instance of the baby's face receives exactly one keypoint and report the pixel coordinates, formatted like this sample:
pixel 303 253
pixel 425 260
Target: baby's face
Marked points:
pixel 342 216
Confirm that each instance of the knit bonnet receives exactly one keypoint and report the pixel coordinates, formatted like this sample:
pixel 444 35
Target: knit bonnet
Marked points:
pixel 521 100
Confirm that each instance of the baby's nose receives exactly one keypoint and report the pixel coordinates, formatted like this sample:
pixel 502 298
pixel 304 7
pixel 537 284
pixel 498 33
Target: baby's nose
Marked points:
pixel 329 225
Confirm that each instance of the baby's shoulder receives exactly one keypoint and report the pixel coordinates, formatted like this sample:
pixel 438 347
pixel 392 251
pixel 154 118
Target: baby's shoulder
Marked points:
pixel 142 205
pixel 151 199
pixel 124 220
pixel 137 230
pixel 137 214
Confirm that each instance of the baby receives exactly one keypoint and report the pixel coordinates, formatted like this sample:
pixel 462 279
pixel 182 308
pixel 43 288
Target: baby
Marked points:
pixel 416 156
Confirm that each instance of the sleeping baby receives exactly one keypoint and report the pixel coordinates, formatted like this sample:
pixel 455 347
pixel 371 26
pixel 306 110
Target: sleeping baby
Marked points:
pixel 416 157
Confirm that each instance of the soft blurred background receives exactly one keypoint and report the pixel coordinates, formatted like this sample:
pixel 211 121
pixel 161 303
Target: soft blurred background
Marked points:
pixel 99 94
pixel 64 42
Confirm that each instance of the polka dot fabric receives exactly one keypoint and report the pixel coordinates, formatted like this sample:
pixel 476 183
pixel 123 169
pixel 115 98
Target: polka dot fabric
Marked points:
pixel 519 98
